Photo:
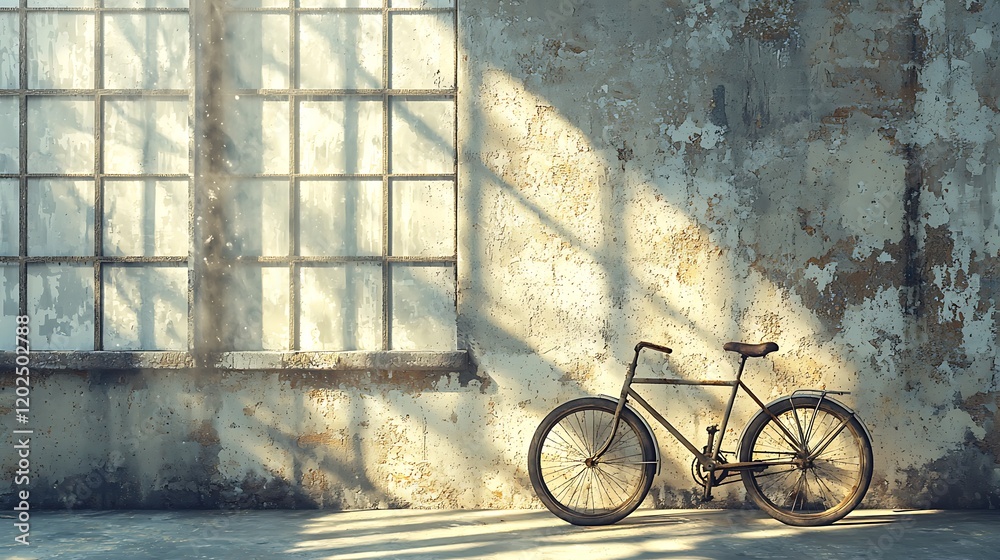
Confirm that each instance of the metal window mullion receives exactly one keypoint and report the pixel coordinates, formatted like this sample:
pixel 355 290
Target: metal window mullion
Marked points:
pixel 455 170
pixel 192 150
pixel 131 259
pixel 22 267
pixel 98 179
pixel 101 8
pixel 386 190
pixel 66 92
pixel 331 93
pixel 140 177
pixel 294 213
pixel 59 175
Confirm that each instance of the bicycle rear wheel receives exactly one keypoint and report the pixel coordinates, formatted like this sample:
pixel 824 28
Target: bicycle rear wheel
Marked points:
pixel 567 479
pixel 821 461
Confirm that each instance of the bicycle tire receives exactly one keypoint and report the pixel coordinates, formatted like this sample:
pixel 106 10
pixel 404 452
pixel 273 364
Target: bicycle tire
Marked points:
pixel 580 491
pixel 816 491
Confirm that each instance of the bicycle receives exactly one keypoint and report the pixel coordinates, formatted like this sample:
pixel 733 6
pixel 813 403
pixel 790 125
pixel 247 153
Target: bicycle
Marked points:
pixel 805 459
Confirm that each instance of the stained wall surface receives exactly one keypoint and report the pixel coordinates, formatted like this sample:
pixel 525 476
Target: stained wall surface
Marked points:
pixel 821 174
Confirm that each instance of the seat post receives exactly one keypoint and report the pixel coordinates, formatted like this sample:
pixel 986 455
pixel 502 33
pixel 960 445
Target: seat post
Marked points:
pixel 743 363
pixel 713 453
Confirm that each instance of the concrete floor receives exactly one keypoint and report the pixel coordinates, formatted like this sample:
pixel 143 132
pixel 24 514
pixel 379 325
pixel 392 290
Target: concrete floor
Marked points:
pixel 535 534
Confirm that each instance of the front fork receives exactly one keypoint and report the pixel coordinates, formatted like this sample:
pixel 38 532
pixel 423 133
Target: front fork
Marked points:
pixel 622 398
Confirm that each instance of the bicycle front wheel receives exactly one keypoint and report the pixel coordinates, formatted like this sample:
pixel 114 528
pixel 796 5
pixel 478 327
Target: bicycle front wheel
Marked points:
pixel 819 461
pixel 567 478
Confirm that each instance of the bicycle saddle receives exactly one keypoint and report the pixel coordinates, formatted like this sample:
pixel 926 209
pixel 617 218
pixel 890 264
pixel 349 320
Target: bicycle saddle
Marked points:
pixel 751 350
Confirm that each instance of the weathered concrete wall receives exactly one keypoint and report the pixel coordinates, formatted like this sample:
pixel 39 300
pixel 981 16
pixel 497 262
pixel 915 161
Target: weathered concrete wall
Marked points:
pixel 818 174
pixel 687 172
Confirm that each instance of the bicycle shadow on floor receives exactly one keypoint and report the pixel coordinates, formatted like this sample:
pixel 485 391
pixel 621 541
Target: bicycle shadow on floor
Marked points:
pixel 738 520
pixel 659 519
pixel 644 518
pixel 861 521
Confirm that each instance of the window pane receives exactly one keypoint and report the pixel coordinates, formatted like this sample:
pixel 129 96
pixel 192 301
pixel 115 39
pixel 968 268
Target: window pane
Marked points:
pixel 60 135
pixel 146 51
pixel 256 218
pixel 258 46
pixel 146 136
pixel 340 218
pixel 423 136
pixel 10 43
pixel 8 306
pixel 9 142
pixel 10 220
pixel 61 306
pixel 60 3
pixel 423 51
pixel 257 135
pixel 60 217
pixel 422 3
pixel 145 218
pixel 145 307
pixel 145 3
pixel 344 51
pixel 343 136
pixel 341 307
pixel 60 51
pixel 260 3
pixel 423 218
pixel 340 3
pixel 259 295
pixel 423 308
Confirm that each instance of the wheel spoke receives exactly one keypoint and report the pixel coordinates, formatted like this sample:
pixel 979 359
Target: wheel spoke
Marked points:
pixel 827 495
pixel 769 472
pixel 579 488
pixel 580 421
pixel 554 473
pixel 568 447
pixel 783 436
pixel 828 439
pixel 571 443
pixel 825 474
pixel 567 484
pixel 621 486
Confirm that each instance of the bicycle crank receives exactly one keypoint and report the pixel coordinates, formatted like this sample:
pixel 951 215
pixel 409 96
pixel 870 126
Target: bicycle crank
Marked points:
pixel 700 474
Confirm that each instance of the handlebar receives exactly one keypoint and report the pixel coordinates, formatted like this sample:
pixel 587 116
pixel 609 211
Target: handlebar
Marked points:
pixel 652 346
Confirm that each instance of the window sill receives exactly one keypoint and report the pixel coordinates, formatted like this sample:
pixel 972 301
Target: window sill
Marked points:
pixel 456 361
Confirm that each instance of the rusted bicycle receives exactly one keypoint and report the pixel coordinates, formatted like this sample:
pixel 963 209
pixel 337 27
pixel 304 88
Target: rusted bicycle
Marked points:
pixel 805 459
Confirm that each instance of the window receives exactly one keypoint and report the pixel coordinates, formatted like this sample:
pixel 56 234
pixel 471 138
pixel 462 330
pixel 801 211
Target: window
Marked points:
pixel 229 176
pixel 95 172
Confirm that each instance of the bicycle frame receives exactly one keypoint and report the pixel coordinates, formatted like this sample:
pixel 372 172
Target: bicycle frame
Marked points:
pixel 706 458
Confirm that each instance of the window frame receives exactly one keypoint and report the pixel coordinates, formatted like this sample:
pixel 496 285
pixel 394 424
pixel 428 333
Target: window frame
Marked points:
pixel 200 169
